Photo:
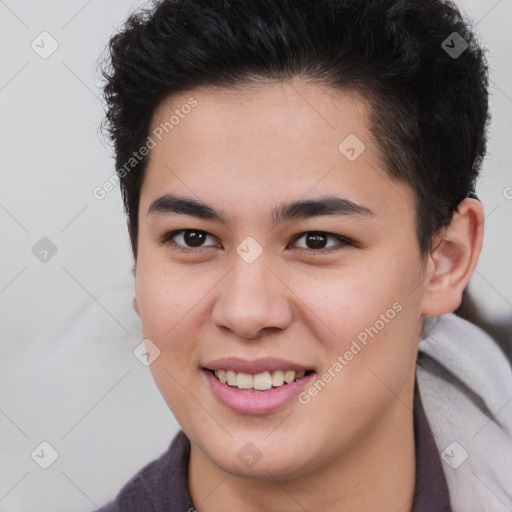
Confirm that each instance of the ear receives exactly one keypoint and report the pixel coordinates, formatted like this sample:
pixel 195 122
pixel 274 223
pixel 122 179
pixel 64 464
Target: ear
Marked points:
pixel 134 301
pixel 133 240
pixel 453 259
pixel 135 306
pixel 134 272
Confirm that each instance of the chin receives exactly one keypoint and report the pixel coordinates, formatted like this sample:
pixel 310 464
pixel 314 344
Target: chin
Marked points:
pixel 265 459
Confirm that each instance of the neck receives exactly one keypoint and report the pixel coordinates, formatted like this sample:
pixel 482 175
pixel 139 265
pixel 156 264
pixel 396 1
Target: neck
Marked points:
pixel 377 473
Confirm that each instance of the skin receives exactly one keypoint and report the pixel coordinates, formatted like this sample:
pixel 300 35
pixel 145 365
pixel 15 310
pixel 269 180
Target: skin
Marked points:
pixel 245 151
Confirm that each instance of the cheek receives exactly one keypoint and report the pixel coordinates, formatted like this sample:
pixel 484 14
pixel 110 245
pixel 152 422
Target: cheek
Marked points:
pixel 165 295
pixel 369 319
pixel 347 302
pixel 169 304
pixel 370 346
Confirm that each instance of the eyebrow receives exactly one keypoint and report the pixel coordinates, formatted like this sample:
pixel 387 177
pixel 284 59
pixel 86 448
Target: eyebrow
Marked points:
pixel 327 205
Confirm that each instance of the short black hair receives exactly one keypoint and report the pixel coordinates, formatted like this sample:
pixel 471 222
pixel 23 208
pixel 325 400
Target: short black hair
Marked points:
pixel 417 63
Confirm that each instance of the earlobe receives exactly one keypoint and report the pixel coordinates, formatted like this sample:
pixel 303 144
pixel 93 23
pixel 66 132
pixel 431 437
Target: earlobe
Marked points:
pixel 135 306
pixel 134 272
pixel 453 259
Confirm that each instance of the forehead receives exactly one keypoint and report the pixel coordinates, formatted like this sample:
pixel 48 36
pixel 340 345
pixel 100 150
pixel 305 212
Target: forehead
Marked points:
pixel 255 146
pixel 278 119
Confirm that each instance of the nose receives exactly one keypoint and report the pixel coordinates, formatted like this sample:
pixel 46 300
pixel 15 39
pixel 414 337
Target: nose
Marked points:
pixel 252 298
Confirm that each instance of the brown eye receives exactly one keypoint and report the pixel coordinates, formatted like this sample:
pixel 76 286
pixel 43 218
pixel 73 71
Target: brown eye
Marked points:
pixel 315 242
pixel 184 239
pixel 194 238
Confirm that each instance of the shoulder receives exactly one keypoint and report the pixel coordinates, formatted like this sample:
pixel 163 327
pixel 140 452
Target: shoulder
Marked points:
pixel 465 382
pixel 138 493
pixel 158 486
pixel 457 353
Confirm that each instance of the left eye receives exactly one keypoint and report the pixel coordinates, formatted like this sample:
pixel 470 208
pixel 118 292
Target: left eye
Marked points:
pixel 315 241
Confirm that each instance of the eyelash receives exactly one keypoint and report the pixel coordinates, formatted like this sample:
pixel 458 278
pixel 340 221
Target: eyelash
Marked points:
pixel 167 239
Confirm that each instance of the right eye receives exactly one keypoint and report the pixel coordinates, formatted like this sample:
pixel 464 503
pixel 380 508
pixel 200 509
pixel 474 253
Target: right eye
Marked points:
pixel 187 240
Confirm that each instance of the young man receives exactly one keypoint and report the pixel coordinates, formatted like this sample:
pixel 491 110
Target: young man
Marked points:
pixel 298 181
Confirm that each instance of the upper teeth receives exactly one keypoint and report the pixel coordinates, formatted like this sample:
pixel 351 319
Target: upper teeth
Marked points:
pixel 259 381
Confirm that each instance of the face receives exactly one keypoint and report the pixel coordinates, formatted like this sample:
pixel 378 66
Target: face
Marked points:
pixel 317 305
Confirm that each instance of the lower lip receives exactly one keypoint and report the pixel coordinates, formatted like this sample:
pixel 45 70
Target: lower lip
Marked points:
pixel 256 402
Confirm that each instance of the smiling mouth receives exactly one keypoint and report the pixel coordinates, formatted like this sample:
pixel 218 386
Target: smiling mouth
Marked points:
pixel 259 382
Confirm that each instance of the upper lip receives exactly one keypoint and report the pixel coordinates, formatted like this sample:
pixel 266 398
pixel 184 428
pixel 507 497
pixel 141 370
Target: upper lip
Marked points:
pixel 254 366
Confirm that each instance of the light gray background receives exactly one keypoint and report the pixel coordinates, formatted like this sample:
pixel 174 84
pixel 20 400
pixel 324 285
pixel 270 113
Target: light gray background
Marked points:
pixel 67 372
